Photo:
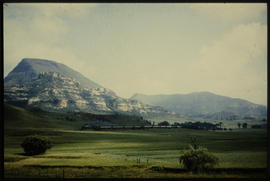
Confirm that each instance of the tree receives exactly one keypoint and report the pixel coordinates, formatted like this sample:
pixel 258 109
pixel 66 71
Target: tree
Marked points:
pixel 194 142
pixel 239 125
pixel 198 159
pixel 244 125
pixel 176 124
pixel 34 145
pixel 164 123
pixel 220 124
pixel 256 126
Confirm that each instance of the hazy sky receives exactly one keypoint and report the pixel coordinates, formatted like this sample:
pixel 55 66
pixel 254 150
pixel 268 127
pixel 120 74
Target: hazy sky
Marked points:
pixel 147 48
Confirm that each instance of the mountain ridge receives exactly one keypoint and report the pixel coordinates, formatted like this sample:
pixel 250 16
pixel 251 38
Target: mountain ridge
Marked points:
pixel 191 93
pixel 55 92
pixel 56 87
pixel 29 68
pixel 202 103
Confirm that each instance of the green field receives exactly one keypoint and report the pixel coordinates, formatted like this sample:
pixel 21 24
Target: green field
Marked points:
pixel 124 153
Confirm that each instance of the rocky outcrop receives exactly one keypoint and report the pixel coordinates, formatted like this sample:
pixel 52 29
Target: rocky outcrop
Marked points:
pixel 30 68
pixel 52 91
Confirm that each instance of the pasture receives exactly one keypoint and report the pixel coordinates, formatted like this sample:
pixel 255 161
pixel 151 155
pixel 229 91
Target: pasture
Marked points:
pixel 145 153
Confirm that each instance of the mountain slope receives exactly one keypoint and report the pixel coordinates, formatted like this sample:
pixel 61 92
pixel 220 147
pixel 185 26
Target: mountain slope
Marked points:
pixel 29 69
pixel 54 92
pixel 20 121
pixel 205 103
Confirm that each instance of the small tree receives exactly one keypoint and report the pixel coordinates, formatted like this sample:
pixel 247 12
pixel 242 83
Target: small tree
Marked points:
pixel 244 125
pixel 164 123
pixel 198 159
pixel 220 124
pixel 34 145
pixel 194 142
pixel 239 125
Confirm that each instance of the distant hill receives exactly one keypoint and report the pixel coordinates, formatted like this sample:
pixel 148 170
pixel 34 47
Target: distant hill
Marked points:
pixel 204 104
pixel 29 69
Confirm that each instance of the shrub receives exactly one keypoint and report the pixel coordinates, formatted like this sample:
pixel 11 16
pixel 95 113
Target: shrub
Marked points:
pixel 198 159
pixel 34 145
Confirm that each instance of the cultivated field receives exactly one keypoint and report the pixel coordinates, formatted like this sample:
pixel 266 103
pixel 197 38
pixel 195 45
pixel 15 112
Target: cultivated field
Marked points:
pixel 150 153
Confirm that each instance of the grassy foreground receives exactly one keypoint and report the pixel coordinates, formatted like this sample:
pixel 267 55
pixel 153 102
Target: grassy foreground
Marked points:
pixel 124 153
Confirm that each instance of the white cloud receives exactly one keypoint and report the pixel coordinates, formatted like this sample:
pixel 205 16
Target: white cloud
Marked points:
pixel 236 64
pixel 230 11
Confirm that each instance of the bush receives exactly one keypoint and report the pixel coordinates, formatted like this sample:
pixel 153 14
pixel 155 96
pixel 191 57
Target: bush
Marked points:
pixel 198 159
pixel 34 145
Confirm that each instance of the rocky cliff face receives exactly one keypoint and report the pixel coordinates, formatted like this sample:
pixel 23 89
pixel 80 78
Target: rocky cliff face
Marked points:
pixel 52 91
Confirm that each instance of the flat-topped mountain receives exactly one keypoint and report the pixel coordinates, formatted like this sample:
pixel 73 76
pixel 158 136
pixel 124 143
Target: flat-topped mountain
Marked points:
pixel 29 69
pixel 204 103
pixel 51 87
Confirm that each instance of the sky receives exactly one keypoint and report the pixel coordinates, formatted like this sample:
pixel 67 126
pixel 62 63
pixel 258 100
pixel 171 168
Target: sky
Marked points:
pixel 159 48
